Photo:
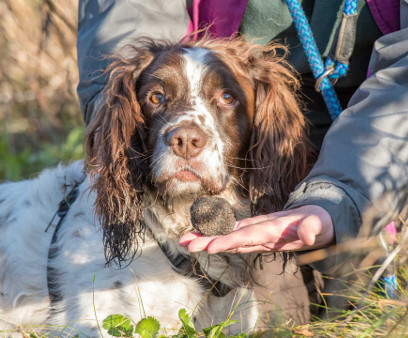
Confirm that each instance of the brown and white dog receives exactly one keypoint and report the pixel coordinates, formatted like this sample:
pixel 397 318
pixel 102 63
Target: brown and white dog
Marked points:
pixel 178 121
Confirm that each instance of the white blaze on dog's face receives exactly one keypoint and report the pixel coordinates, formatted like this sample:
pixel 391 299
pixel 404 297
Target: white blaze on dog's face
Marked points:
pixel 199 116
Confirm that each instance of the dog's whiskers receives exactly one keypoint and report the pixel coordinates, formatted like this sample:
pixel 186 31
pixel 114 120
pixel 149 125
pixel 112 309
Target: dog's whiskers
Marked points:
pixel 164 121
pixel 238 183
pixel 247 168
pixel 239 158
pixel 155 163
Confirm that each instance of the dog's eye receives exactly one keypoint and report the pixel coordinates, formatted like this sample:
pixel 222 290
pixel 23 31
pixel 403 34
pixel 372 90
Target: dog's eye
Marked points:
pixel 227 98
pixel 157 98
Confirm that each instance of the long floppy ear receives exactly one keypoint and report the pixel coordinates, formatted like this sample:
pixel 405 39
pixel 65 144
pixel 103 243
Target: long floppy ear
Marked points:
pixel 280 153
pixel 116 154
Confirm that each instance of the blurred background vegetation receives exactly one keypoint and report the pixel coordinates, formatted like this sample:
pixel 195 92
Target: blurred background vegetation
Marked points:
pixel 40 119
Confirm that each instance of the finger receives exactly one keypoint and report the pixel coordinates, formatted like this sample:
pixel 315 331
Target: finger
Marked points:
pixel 245 249
pixel 246 236
pixel 249 236
pixel 200 243
pixel 251 221
pixel 258 219
pixel 270 247
pixel 188 237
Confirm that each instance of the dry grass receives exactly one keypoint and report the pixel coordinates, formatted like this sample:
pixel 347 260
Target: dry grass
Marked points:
pixel 38 73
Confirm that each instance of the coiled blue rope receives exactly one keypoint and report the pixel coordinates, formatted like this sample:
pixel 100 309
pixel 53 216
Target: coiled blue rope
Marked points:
pixel 322 73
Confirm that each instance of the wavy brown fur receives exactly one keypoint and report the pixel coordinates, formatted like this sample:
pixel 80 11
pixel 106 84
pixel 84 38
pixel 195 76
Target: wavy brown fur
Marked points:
pixel 116 156
pixel 279 144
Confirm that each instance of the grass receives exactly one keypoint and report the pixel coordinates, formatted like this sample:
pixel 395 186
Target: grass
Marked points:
pixel 368 314
pixel 30 160
pixel 377 317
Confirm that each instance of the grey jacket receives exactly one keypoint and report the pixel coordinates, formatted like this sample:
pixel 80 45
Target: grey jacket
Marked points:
pixel 107 26
pixel 365 152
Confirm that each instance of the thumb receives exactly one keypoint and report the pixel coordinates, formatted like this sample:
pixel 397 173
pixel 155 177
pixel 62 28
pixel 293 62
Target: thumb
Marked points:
pixel 308 229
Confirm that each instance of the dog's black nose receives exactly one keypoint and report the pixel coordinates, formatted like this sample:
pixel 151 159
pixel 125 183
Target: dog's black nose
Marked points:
pixel 187 141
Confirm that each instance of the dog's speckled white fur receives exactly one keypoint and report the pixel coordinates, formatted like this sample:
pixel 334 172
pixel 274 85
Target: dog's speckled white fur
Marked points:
pixel 147 287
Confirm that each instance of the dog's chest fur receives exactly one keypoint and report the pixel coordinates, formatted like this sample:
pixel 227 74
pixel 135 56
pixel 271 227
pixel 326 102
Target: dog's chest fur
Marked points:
pixel 147 286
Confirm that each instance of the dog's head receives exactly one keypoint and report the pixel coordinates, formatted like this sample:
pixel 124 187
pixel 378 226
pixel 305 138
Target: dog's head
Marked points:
pixel 192 119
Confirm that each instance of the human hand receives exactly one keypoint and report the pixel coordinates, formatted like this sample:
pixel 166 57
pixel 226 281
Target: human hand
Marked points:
pixel 304 228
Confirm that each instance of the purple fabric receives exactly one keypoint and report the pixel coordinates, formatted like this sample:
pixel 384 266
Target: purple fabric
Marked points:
pixel 386 14
pixel 224 16
pixel 392 231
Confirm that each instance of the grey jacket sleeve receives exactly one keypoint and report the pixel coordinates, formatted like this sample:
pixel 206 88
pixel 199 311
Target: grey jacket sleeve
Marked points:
pixel 365 152
pixel 106 26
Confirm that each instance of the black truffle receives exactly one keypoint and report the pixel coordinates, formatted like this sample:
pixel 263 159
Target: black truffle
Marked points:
pixel 212 216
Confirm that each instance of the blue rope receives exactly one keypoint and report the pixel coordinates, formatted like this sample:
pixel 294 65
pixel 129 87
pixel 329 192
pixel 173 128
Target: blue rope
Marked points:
pixel 388 287
pixel 320 72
